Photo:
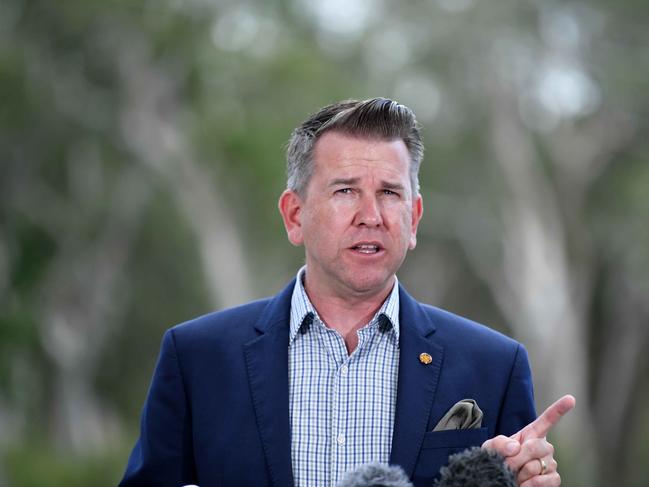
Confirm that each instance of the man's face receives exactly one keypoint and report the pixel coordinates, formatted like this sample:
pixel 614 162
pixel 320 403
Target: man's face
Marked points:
pixel 358 217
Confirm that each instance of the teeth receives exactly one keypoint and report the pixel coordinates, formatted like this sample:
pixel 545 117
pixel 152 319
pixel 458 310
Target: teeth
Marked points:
pixel 367 248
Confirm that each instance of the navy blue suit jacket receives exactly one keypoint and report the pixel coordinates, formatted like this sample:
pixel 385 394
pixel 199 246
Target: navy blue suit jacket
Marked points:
pixel 217 410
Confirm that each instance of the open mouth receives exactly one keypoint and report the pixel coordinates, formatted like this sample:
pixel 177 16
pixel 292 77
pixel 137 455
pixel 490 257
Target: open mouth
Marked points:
pixel 367 248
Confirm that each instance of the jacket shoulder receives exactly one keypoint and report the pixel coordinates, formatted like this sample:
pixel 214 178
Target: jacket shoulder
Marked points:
pixel 230 322
pixel 452 327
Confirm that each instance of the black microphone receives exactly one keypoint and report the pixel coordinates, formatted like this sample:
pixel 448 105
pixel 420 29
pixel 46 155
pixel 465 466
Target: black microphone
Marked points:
pixel 476 467
pixel 375 475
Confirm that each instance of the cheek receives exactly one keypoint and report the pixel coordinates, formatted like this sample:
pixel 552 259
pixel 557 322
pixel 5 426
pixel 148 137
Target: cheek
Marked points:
pixel 406 233
pixel 321 226
pixel 336 215
pixel 404 218
pixel 341 204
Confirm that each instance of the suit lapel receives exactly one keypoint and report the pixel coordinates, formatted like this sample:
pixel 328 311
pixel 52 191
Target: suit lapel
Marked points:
pixel 417 382
pixel 267 364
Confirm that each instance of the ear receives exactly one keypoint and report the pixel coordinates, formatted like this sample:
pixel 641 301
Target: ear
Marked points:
pixel 417 212
pixel 290 207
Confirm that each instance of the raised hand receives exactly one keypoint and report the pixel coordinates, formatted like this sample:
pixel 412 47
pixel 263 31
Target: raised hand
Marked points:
pixel 528 453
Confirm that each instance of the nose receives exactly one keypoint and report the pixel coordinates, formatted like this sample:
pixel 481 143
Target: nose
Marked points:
pixel 369 212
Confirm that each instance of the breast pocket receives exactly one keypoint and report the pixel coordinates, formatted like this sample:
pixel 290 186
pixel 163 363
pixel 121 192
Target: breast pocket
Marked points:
pixel 438 446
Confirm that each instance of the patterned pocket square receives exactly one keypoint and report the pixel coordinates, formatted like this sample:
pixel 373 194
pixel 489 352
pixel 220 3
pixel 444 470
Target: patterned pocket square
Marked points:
pixel 464 414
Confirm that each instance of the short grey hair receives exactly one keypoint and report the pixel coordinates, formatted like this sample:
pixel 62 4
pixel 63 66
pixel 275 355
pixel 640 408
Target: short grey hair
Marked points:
pixel 377 118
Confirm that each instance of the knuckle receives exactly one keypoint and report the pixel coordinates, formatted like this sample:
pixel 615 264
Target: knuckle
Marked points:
pixel 531 447
pixel 530 469
pixel 538 448
pixel 545 447
pixel 527 472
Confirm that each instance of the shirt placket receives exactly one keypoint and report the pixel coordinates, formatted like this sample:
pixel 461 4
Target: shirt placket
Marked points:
pixel 336 433
pixel 346 398
pixel 340 409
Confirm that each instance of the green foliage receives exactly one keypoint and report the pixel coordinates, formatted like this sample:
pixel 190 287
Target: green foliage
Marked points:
pixel 35 465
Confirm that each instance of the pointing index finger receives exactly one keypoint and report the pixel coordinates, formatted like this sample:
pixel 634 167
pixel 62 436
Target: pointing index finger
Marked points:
pixel 540 427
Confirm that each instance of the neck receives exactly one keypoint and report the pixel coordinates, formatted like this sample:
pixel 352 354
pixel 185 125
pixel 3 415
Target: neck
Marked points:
pixel 345 313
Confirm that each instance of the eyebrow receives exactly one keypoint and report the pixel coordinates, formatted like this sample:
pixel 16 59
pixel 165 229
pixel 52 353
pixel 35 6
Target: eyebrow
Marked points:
pixel 344 182
pixel 354 181
pixel 389 185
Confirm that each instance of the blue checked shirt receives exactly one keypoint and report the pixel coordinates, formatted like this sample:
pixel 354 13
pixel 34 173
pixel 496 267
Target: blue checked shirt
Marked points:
pixel 341 406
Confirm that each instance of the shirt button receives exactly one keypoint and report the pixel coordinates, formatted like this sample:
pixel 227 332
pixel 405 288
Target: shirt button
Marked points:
pixel 341 439
pixel 344 370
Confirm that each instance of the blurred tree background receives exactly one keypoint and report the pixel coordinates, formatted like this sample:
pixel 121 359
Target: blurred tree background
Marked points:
pixel 141 156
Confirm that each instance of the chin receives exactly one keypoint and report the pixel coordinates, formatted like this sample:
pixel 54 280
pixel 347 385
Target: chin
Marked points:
pixel 370 283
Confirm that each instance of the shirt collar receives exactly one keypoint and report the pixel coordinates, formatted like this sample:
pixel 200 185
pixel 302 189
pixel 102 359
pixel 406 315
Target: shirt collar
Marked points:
pixel 301 307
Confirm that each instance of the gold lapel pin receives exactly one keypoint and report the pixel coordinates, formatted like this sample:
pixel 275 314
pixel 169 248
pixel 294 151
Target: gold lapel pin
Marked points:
pixel 425 358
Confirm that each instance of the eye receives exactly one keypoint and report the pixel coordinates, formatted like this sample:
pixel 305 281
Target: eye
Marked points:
pixel 389 192
pixel 344 191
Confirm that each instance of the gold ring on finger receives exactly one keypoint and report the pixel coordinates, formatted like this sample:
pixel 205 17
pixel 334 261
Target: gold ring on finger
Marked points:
pixel 544 466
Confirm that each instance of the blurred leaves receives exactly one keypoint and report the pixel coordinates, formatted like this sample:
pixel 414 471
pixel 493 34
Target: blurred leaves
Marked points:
pixel 37 465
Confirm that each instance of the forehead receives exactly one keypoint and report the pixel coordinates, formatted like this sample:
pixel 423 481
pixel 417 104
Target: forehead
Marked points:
pixel 335 151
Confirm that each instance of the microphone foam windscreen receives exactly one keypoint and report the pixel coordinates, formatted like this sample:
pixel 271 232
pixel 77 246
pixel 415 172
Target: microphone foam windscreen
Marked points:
pixel 476 467
pixel 375 475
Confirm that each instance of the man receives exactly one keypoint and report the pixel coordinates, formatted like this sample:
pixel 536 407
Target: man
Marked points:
pixel 342 367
